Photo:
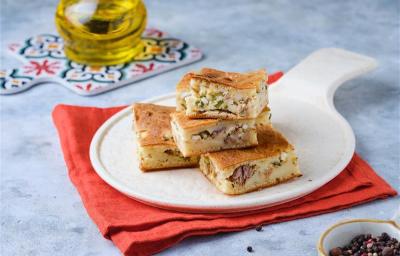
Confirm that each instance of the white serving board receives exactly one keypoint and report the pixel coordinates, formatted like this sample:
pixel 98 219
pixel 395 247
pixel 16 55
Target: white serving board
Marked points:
pixel 302 109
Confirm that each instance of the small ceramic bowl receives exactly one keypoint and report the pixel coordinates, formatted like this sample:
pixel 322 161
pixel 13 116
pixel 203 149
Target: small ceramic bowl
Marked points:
pixel 341 233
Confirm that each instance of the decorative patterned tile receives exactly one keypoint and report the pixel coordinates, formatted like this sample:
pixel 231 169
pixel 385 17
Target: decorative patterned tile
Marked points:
pixel 44 61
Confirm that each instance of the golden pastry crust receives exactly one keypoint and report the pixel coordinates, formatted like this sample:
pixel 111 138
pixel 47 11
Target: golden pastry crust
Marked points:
pixel 214 114
pixel 270 143
pixel 183 84
pixel 145 116
pixel 187 123
pixel 248 80
pixel 212 93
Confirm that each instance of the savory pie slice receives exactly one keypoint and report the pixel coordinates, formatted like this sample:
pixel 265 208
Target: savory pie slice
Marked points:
pixel 197 136
pixel 156 147
pixel 239 171
pixel 212 93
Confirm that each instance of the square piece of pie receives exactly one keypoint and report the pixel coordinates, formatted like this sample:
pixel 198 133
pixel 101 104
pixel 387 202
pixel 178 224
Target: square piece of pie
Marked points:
pixel 156 147
pixel 197 136
pixel 239 171
pixel 212 93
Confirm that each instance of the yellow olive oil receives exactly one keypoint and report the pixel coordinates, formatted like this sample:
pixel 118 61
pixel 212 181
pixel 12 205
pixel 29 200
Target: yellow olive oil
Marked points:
pixel 101 32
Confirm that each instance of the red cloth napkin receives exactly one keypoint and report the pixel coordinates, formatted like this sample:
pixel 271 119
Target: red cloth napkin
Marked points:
pixel 139 229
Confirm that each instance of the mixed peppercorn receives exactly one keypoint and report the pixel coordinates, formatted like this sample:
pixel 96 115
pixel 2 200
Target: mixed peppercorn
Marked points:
pixel 367 245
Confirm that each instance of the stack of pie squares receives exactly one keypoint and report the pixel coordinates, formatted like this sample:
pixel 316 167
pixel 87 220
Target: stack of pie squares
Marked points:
pixel 221 124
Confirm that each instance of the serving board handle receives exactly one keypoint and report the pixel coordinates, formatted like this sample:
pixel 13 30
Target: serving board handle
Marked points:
pixel 396 216
pixel 317 77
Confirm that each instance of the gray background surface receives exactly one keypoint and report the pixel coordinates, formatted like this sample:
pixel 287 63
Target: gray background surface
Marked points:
pixel 41 212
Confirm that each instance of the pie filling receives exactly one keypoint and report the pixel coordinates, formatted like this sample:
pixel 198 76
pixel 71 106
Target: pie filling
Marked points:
pixel 252 174
pixel 163 157
pixel 225 134
pixel 204 97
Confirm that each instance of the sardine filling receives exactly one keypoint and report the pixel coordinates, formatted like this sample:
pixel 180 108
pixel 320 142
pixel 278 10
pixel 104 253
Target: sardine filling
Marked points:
pixel 241 174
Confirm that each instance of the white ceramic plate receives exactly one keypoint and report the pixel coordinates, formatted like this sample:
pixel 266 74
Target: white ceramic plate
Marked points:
pixel 302 109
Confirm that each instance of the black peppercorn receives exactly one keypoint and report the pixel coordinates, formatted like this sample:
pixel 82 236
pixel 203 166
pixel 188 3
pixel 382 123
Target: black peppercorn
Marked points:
pixel 366 245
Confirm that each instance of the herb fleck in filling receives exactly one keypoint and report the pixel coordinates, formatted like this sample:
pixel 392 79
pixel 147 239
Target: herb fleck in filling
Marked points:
pixel 233 134
pixel 177 153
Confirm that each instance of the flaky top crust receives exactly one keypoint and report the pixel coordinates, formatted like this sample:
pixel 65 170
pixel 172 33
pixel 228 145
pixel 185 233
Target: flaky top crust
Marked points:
pixel 183 84
pixel 248 80
pixel 270 143
pixel 153 124
pixel 187 123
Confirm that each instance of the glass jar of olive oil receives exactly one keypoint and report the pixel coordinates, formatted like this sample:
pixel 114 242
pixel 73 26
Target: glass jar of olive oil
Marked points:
pixel 101 32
